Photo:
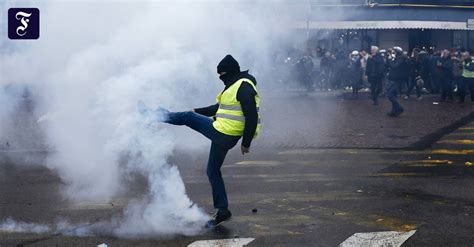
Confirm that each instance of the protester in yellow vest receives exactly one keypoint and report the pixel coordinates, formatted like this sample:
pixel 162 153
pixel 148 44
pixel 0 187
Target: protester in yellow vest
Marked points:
pixel 235 115
pixel 467 79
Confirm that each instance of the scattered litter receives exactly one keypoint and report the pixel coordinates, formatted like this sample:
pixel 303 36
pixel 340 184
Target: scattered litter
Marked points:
pixel 468 163
pixel 102 245
pixel 360 191
pixel 254 210
pixel 435 103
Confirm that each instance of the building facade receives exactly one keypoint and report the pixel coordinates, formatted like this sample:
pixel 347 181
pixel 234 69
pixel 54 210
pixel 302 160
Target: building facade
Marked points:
pixel 355 25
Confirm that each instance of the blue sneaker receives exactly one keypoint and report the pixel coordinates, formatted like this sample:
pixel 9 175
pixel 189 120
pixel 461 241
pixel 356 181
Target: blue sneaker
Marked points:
pixel 158 115
pixel 161 114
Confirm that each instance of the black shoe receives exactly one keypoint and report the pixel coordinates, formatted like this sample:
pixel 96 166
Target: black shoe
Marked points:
pixel 221 216
pixel 399 112
pixel 395 113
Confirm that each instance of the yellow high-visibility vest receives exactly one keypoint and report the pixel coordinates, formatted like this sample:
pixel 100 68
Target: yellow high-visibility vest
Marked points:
pixel 465 72
pixel 230 119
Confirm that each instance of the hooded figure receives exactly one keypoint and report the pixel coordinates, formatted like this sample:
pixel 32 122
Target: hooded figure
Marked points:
pixel 234 116
pixel 228 68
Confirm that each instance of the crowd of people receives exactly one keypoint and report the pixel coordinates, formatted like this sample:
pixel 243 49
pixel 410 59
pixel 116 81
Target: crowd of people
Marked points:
pixel 448 73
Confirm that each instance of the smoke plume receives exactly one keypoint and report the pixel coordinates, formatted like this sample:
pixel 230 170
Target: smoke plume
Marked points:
pixel 95 61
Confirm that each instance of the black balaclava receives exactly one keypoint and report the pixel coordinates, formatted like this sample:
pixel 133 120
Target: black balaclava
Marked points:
pixel 231 68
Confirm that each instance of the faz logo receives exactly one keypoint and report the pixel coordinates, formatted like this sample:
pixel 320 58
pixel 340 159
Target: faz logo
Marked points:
pixel 23 23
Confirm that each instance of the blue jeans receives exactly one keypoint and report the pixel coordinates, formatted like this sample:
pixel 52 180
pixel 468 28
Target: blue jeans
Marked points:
pixel 221 143
pixel 392 93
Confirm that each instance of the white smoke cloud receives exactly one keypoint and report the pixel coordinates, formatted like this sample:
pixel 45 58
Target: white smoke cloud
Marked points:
pixel 10 225
pixel 91 65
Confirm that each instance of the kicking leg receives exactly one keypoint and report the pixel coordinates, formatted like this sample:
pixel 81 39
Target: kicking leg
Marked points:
pixel 195 121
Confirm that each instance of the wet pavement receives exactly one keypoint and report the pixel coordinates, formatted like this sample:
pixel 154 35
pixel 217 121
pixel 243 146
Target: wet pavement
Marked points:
pixel 305 194
pixel 332 120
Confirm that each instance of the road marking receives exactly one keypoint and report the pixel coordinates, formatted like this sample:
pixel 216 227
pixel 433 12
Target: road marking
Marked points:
pixel 267 178
pixel 396 174
pixel 462 134
pixel 448 162
pixel 389 238
pixel 307 163
pixel 346 151
pixel 451 151
pixel 462 141
pixel 233 242
pixel 259 163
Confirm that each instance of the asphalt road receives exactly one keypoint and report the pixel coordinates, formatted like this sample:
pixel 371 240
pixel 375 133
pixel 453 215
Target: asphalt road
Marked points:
pixel 304 196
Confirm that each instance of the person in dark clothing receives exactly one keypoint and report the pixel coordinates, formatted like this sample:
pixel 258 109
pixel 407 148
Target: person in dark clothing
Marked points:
pixel 327 70
pixel 375 72
pixel 445 72
pixel 396 77
pixel 304 68
pixel 435 81
pixel 467 76
pixel 354 73
pixel 405 71
pixel 340 70
pixel 457 75
pixel 230 122
pixel 414 66
pixel 425 69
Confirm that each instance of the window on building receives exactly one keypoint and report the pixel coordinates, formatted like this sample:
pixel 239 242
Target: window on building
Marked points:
pixel 460 39
pixel 471 41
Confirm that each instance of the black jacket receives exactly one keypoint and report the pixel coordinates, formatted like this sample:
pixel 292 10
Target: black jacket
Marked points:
pixel 246 97
pixel 414 67
pixel 445 70
pixel 375 66
pixel 425 66
pixel 398 69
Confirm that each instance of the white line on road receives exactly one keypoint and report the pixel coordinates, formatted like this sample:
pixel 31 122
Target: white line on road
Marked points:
pixel 233 242
pixel 377 239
